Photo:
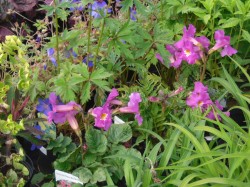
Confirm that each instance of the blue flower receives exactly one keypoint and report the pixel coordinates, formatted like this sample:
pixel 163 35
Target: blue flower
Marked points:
pixel 90 64
pixel 33 146
pixel 50 53
pixel 44 106
pixel 70 52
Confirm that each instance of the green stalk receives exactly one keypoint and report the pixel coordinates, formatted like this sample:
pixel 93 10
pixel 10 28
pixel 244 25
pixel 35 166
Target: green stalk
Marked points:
pixel 57 35
pixel 89 31
pixel 99 43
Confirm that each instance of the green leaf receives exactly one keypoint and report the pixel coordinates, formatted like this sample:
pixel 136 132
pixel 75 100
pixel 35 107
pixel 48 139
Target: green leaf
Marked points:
pixel 65 89
pixel 50 184
pixel 102 84
pixel 99 175
pixel 37 178
pixel 84 174
pixel 96 141
pixel 85 95
pixel 231 22
pixel 246 35
pixel 99 74
pixel 126 4
pixel 82 69
pixel 119 133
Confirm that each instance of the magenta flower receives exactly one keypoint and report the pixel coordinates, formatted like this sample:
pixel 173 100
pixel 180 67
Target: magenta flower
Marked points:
pixel 222 41
pixel 211 114
pixel 103 115
pixel 133 106
pixel 199 97
pixel 175 59
pixel 159 57
pixel 62 113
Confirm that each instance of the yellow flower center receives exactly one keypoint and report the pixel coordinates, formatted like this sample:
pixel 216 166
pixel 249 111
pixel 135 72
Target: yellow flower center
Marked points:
pixel 104 116
pixel 187 52
pixel 200 103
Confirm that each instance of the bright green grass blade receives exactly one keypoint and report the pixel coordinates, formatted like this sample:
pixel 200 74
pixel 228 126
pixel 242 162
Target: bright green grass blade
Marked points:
pixel 187 179
pixel 217 180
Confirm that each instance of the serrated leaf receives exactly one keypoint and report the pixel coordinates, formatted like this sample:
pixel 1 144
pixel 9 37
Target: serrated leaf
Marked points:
pixel 102 84
pixel 246 35
pixel 96 141
pixel 76 79
pixel 85 95
pixel 231 22
pixel 99 74
pixel 119 133
pixel 83 70
pixel 126 4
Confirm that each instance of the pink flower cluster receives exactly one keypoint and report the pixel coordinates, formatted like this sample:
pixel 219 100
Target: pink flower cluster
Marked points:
pixel 199 98
pixel 103 115
pixel 192 49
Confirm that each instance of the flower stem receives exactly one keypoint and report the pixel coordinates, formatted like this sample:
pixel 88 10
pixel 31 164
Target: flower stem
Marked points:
pixel 89 32
pixel 57 35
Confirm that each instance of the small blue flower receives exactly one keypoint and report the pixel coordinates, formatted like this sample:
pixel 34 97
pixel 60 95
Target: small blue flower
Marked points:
pixel 33 146
pixel 50 53
pixel 44 106
pixel 70 52
pixel 90 64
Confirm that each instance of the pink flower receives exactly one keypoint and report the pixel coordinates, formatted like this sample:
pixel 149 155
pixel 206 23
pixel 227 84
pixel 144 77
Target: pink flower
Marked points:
pixel 222 41
pixel 103 115
pixel 199 97
pixel 212 113
pixel 133 106
pixel 61 113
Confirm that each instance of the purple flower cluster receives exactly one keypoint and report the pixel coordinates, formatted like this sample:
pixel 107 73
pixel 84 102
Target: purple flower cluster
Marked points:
pixel 59 112
pixel 103 115
pixel 192 49
pixel 199 98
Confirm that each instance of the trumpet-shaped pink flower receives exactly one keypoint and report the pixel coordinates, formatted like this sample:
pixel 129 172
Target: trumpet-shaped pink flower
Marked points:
pixel 222 41
pixel 61 113
pixel 133 106
pixel 199 97
pixel 103 115
pixel 212 115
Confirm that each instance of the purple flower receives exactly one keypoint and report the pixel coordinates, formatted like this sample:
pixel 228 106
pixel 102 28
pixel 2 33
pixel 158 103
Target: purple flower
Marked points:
pixel 133 106
pixel 103 115
pixel 33 146
pixel 176 58
pixel 159 57
pixel 199 97
pixel 50 53
pixel 58 112
pixel 222 41
pixel 212 113
pixel 62 113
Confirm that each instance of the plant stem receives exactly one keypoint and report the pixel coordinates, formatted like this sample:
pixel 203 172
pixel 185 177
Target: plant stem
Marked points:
pixel 57 35
pixel 203 70
pixel 89 31
pixel 99 43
